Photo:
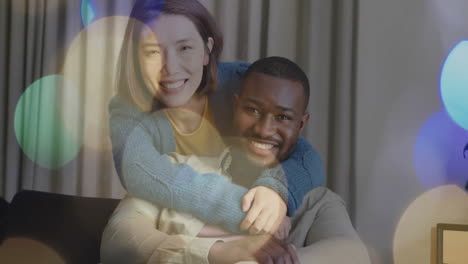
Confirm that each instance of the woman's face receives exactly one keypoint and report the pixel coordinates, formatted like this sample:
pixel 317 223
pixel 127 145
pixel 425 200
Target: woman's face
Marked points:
pixel 172 55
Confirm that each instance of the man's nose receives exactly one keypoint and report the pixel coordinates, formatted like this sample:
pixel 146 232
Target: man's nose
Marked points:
pixel 265 126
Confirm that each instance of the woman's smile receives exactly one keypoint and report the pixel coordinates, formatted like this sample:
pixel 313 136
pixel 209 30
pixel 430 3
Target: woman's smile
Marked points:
pixel 173 87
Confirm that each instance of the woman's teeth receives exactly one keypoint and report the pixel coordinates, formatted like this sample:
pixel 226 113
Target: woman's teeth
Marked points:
pixel 262 145
pixel 173 85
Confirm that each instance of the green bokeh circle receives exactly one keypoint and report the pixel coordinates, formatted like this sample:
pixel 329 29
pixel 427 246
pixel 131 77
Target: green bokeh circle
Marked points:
pixel 39 124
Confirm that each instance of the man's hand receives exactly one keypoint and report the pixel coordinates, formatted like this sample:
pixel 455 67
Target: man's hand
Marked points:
pixel 283 230
pixel 260 248
pixel 266 210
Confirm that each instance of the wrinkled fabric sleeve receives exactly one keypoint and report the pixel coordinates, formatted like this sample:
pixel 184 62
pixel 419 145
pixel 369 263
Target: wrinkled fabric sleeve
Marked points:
pixel 131 237
pixel 321 227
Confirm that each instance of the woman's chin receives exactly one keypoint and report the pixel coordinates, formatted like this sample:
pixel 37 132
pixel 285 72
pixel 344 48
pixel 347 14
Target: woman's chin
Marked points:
pixel 175 102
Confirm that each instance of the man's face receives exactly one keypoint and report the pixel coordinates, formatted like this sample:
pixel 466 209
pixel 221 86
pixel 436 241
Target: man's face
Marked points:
pixel 269 117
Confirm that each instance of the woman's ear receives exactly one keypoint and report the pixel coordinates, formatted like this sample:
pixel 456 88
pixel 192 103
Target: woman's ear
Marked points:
pixel 209 48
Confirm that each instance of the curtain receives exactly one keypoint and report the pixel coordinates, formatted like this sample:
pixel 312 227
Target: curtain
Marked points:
pixel 44 40
pixel 56 76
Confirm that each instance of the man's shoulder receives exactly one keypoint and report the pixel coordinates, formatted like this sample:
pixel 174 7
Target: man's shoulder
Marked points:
pixel 321 198
pixel 304 160
pixel 303 147
pixel 323 194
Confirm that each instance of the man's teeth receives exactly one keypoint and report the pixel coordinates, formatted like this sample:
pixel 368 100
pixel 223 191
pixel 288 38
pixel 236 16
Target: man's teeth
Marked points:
pixel 173 85
pixel 262 145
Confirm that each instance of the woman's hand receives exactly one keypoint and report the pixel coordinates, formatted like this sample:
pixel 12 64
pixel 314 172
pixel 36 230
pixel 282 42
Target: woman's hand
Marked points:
pixel 266 210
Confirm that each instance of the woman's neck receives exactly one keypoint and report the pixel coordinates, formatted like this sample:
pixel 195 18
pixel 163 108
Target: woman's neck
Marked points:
pixel 187 118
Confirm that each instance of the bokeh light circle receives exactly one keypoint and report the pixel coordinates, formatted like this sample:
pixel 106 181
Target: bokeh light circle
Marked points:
pixel 88 12
pixel 44 127
pixel 454 84
pixel 414 239
pixel 91 62
pixel 438 152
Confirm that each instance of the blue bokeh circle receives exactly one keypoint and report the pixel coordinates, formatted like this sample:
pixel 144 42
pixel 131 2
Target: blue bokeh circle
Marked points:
pixel 438 152
pixel 454 84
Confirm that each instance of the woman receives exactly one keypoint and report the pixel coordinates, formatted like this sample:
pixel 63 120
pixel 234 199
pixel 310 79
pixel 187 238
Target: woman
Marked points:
pixel 168 62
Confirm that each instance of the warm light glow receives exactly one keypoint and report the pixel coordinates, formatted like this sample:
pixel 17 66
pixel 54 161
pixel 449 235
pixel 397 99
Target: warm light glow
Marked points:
pixel 25 250
pixel 91 62
pixel 412 242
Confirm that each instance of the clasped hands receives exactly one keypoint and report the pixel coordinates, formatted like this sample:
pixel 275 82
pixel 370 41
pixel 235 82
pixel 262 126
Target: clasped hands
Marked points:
pixel 268 225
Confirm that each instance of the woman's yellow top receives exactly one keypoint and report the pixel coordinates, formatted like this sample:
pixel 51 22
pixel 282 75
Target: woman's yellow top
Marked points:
pixel 203 141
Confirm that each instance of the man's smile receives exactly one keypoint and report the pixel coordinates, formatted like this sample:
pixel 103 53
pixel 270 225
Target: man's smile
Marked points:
pixel 262 147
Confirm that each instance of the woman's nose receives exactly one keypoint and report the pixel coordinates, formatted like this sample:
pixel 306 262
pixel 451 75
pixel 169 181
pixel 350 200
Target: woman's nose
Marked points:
pixel 170 63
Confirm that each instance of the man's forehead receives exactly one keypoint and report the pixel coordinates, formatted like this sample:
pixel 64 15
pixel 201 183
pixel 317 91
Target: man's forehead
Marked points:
pixel 261 88
pixel 264 103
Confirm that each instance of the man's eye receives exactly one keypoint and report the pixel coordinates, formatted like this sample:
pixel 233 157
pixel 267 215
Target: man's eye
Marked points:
pixel 186 47
pixel 251 110
pixel 283 117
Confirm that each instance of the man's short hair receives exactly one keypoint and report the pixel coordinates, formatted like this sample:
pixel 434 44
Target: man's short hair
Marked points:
pixel 281 68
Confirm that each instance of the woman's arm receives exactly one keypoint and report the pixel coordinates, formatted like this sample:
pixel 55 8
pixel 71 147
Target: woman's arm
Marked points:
pixel 148 174
pixel 292 179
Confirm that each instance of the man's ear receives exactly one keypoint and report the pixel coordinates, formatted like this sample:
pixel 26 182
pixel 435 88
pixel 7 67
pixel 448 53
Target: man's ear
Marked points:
pixel 304 120
pixel 209 47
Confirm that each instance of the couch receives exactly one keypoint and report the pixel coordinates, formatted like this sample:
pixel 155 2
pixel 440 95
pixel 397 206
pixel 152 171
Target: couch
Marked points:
pixel 69 225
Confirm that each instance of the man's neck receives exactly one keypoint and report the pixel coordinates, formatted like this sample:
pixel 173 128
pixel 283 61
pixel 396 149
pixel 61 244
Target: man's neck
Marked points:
pixel 242 170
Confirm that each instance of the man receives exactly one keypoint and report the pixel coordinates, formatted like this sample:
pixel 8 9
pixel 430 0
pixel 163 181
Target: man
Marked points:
pixel 269 115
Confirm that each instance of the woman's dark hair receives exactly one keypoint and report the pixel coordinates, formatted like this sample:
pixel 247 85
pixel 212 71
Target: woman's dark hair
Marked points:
pixel 130 83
